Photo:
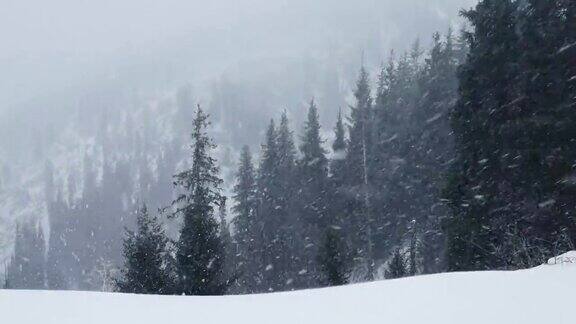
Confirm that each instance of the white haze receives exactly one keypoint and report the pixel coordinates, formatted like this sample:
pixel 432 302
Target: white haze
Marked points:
pixel 61 54
pixel 48 46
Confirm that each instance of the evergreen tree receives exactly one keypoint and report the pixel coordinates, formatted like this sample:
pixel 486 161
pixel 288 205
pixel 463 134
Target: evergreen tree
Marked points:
pixel 313 169
pixel 432 147
pixel 199 250
pixel 510 206
pixel 269 217
pixel 545 136
pixel 396 267
pixel 277 211
pixel 146 257
pixel 360 129
pixel 332 259
pixel 313 193
pixel 245 224
pixel 337 175
pixel 285 243
pixel 358 165
pixel 286 160
pixel 337 164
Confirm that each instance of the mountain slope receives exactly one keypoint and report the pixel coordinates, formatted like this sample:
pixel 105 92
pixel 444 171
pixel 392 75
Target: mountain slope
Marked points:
pixel 538 295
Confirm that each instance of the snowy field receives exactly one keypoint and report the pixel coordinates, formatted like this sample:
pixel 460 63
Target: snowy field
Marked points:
pixel 540 295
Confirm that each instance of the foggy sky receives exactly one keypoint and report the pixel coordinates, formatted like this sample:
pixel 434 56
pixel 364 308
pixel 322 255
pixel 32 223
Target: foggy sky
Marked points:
pixel 48 47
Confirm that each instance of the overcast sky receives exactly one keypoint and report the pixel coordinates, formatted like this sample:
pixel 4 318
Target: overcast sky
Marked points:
pixel 47 46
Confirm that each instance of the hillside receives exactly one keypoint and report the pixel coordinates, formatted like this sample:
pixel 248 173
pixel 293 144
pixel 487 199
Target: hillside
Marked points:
pixel 538 295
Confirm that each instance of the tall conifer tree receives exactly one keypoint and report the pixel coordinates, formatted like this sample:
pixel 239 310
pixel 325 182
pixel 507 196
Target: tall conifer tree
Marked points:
pixel 313 192
pixel 247 234
pixel 200 253
pixel 358 165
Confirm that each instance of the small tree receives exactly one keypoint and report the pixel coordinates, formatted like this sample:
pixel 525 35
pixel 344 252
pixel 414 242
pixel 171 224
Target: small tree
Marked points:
pixel 145 258
pixel 396 267
pixel 333 260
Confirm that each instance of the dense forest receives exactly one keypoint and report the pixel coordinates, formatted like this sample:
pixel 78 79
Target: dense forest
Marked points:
pixel 456 157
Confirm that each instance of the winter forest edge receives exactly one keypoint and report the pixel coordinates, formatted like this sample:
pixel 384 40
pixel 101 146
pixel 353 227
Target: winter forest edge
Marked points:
pixel 458 157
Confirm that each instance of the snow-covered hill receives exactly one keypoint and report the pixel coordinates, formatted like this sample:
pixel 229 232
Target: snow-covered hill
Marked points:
pixel 539 295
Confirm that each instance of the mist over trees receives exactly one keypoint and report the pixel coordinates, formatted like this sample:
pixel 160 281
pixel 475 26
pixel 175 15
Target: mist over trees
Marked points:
pixel 451 157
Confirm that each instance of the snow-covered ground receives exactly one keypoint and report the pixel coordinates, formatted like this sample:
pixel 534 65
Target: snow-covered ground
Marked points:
pixel 541 295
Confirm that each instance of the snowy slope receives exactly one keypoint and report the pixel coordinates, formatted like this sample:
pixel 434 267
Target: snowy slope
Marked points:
pixel 539 295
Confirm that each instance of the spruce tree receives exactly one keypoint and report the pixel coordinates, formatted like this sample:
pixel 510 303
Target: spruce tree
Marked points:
pixel 313 193
pixel 387 158
pixel 245 224
pixel 502 124
pixel 337 163
pixel 267 200
pixel 396 267
pixel 545 146
pixel 199 250
pixel 146 258
pixel 269 216
pixel 313 169
pixel 358 165
pixel 286 159
pixel 333 259
pixel 313 173
pixel 431 147
pixel 285 243
pixel 276 211
pixel 360 129
pixel 337 172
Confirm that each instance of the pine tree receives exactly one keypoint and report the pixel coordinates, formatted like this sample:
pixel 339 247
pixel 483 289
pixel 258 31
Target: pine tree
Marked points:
pixel 313 173
pixel 146 257
pixel 285 243
pixel 431 148
pixel 360 129
pixel 337 164
pixel 479 187
pixel 332 259
pixel 396 267
pixel 313 193
pixel 286 158
pixel 277 210
pixel 199 250
pixel 548 89
pixel 313 168
pixel 245 224
pixel 358 164
pixel 268 215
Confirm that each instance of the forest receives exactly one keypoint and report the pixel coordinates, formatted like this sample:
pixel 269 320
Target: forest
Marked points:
pixel 458 156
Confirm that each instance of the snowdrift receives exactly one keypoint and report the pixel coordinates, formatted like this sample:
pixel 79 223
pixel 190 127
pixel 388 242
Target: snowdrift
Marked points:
pixel 541 295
